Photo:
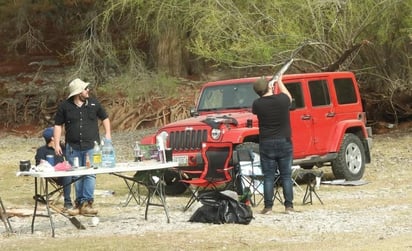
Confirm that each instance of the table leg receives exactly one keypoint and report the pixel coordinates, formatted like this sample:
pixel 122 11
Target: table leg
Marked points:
pixel 35 204
pixel 45 200
pixel 162 196
pixel 156 189
pixel 48 207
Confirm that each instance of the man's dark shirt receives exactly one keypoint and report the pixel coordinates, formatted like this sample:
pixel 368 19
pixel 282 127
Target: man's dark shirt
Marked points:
pixel 45 150
pixel 273 115
pixel 81 123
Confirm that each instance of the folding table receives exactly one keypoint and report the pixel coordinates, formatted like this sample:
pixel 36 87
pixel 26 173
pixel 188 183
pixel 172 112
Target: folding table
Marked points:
pixel 147 166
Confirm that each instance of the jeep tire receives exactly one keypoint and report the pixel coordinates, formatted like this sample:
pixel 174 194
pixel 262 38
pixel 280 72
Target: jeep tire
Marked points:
pixel 350 162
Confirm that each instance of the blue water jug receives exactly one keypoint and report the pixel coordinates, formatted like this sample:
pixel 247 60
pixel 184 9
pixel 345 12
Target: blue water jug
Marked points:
pixel 108 154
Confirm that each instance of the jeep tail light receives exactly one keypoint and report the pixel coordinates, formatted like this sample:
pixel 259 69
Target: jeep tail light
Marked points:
pixel 216 133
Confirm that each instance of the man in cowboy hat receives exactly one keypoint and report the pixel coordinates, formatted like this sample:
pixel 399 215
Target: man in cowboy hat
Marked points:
pixel 79 114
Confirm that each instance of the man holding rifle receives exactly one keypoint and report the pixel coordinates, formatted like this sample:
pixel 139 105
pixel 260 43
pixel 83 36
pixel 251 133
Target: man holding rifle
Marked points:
pixel 275 145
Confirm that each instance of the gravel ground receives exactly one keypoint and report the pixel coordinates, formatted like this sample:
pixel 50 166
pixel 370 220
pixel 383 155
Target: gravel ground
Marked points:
pixel 372 216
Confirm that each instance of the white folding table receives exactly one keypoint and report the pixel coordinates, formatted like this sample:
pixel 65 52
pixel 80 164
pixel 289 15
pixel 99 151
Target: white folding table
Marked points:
pixel 155 188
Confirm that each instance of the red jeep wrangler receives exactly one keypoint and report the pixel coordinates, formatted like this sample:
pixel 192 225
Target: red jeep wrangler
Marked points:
pixel 327 119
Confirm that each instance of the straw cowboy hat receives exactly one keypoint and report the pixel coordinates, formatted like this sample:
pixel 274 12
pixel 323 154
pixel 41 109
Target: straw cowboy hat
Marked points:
pixel 77 86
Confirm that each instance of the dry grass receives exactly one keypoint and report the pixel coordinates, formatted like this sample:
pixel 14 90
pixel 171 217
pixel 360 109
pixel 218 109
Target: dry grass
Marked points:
pixel 375 216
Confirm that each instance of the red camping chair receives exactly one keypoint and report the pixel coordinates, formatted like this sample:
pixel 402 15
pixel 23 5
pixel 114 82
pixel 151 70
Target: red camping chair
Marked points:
pixel 216 172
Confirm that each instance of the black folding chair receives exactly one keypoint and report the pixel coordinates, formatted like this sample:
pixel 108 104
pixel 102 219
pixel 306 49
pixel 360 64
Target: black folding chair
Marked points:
pixel 57 189
pixel 310 178
pixel 278 185
pixel 136 191
pixel 153 181
pixel 250 176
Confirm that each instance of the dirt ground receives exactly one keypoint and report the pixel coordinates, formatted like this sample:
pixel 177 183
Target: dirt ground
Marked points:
pixel 373 216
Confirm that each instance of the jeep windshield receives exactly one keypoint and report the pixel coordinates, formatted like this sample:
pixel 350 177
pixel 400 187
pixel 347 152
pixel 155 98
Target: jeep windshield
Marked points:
pixel 223 97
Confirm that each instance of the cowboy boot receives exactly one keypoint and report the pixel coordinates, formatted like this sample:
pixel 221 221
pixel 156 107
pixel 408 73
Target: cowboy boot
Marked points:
pixel 74 211
pixel 87 208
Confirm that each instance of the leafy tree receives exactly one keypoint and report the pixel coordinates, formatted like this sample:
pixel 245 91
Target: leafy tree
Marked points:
pixel 130 41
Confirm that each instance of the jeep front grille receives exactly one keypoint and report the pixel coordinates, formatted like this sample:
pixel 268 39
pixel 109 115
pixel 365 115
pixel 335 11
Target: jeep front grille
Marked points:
pixel 187 140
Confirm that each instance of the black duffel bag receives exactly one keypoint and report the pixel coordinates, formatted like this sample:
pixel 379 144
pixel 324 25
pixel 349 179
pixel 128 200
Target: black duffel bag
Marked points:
pixel 221 207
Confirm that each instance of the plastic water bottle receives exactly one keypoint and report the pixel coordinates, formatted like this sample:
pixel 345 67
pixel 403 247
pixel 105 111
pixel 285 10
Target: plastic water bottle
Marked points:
pixel 137 152
pixel 246 196
pixel 108 154
pixel 87 161
pixel 97 156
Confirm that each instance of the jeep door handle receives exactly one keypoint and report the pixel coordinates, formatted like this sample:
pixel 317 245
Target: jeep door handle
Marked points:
pixel 306 117
pixel 330 114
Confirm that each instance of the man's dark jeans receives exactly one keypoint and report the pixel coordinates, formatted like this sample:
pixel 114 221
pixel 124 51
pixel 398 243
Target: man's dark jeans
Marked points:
pixel 277 154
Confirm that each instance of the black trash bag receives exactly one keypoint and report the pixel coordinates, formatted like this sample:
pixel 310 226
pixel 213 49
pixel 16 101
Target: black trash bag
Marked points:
pixel 219 208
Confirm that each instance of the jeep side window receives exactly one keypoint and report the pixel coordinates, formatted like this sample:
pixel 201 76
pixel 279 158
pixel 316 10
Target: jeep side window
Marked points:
pixel 345 90
pixel 319 92
pixel 295 90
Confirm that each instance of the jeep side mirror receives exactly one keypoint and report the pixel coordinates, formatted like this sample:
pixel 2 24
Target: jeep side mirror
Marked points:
pixel 292 105
pixel 193 112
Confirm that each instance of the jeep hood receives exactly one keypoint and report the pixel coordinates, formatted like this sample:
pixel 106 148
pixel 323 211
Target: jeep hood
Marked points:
pixel 214 121
pixel 232 120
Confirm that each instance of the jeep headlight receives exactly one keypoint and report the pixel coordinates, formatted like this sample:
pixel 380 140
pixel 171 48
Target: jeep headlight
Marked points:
pixel 216 133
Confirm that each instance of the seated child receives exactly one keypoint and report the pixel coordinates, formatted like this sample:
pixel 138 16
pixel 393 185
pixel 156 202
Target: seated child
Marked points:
pixel 48 149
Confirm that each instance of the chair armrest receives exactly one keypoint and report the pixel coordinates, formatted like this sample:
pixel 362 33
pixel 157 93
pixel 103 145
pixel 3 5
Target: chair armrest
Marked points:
pixel 183 174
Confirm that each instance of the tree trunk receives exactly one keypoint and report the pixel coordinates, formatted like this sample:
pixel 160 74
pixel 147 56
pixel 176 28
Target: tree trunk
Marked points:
pixel 167 51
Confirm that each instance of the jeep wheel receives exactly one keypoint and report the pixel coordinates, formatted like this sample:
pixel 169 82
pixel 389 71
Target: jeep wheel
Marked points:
pixel 350 163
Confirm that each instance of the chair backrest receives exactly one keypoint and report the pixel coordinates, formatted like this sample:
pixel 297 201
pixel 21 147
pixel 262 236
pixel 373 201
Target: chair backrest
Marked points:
pixel 244 155
pixel 247 162
pixel 216 157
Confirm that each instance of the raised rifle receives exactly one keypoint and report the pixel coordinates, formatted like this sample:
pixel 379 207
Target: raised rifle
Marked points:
pixel 286 65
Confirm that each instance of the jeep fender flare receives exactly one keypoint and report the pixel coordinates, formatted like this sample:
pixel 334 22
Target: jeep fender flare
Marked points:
pixel 237 136
pixel 354 126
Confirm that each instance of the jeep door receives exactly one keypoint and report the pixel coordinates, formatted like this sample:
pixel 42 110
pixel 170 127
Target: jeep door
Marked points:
pixel 300 120
pixel 322 113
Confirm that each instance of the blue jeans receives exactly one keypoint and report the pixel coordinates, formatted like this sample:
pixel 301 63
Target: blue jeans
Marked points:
pixel 85 185
pixel 66 182
pixel 277 155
